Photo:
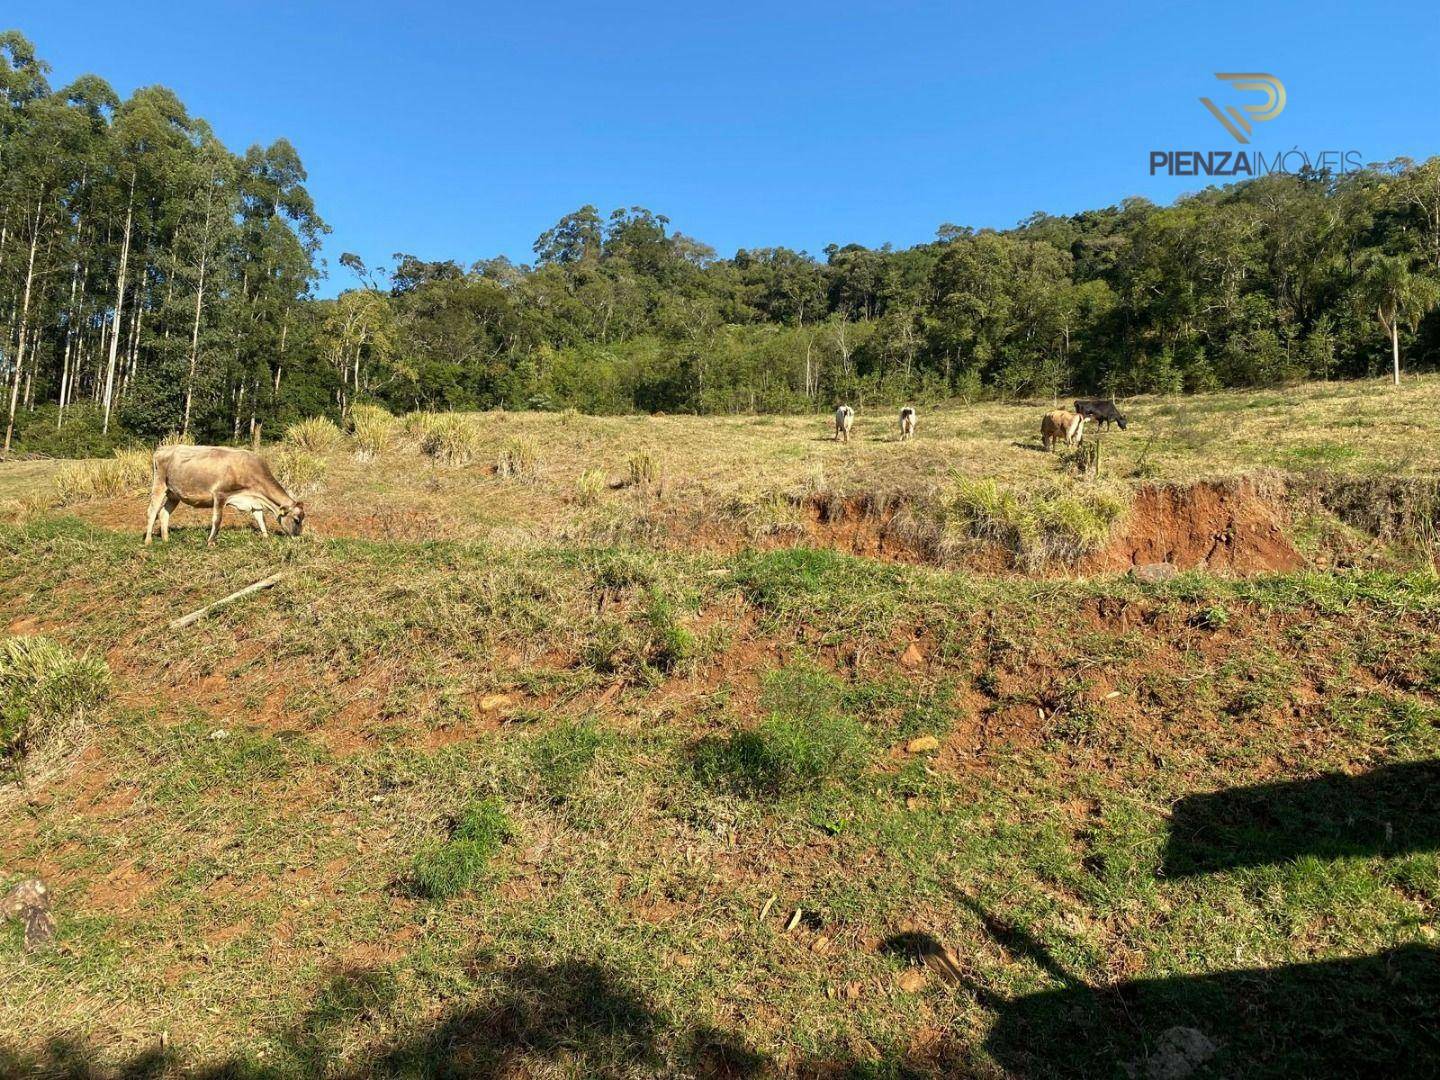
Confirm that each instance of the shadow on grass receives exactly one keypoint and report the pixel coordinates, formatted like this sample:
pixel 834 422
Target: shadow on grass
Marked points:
pixel 1394 810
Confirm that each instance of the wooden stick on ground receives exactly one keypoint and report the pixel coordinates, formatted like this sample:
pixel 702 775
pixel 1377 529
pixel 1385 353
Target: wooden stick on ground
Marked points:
pixel 196 616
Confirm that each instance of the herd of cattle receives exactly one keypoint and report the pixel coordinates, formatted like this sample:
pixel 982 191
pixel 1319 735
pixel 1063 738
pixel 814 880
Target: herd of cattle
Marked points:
pixel 216 477
pixel 1060 425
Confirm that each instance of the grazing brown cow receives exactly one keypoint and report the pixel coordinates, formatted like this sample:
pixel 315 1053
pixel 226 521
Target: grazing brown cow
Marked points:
pixel 1059 425
pixel 217 477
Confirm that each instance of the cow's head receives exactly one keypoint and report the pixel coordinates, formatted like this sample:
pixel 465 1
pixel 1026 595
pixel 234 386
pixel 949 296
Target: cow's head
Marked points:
pixel 1120 420
pixel 293 518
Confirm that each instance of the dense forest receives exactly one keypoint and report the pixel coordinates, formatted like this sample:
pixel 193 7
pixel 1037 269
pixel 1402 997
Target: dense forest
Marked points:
pixel 152 280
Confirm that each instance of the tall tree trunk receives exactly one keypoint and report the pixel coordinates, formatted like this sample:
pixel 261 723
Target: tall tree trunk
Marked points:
pixel 24 317
pixel 65 376
pixel 1394 350
pixel 119 304
pixel 199 305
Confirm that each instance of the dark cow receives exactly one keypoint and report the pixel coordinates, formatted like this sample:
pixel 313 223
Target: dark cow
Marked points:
pixel 1101 411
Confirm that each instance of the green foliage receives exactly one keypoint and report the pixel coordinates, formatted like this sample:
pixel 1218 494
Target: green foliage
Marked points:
pixel 802 743
pixel 442 869
pixel 43 687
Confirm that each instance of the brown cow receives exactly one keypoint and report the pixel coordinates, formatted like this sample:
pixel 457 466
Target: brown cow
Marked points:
pixel 1061 424
pixel 217 477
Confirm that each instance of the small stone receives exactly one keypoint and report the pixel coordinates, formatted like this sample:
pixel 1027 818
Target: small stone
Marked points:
pixel 923 744
pixel 1156 573
pixel 911 981
pixel 492 702
pixel 912 657
pixel 218 734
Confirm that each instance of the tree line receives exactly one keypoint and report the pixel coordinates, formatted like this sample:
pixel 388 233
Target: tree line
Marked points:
pixel 151 280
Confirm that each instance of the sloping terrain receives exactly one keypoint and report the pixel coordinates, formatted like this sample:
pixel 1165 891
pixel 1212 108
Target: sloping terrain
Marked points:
pixel 731 847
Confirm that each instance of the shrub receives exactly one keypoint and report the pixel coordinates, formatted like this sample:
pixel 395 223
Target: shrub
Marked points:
pixel 43 689
pixel 318 435
pixel 588 487
pixel 449 438
pixel 299 471
pixel 443 868
pixel 371 430
pixel 516 458
pixel 127 473
pixel 78 436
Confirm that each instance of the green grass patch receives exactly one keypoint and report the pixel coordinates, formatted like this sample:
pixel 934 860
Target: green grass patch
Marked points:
pixel 447 867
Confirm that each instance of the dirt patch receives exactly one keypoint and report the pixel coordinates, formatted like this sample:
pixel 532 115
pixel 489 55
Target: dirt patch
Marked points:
pixel 1228 527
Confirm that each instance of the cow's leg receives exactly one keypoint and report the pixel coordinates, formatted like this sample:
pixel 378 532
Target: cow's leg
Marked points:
pixel 170 503
pixel 260 522
pixel 157 500
pixel 215 522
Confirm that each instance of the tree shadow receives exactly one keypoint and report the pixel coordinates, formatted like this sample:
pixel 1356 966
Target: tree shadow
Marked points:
pixel 1368 1016
pixel 1394 810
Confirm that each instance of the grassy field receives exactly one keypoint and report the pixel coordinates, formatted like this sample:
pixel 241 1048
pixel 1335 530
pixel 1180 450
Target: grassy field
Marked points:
pixel 520 777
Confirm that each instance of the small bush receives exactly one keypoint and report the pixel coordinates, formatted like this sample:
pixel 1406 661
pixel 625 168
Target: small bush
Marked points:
pixel 588 487
pixel 78 435
pixel 516 458
pixel 300 471
pixel 443 868
pixel 44 688
pixel 449 438
pixel 318 435
pixel 127 473
pixel 372 429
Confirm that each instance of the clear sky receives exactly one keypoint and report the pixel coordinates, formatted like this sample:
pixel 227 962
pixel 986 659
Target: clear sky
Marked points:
pixel 463 130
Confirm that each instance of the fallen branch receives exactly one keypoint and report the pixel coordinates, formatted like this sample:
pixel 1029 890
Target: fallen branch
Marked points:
pixel 196 616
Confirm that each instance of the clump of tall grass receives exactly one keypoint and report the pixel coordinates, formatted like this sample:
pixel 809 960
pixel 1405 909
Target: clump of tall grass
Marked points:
pixel 517 458
pixel 300 471
pixel 1037 525
pixel 318 435
pixel 588 487
pixel 127 473
pixel 176 438
pixel 448 438
pixel 372 429
pixel 45 690
pixel 642 468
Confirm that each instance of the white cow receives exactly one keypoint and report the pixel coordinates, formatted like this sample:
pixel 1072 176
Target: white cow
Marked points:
pixel 844 421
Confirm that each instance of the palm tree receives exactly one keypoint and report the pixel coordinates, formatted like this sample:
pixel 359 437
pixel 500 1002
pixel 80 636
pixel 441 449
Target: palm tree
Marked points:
pixel 1397 295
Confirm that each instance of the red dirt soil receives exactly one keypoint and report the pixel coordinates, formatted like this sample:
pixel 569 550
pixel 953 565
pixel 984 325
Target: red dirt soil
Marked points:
pixel 1226 527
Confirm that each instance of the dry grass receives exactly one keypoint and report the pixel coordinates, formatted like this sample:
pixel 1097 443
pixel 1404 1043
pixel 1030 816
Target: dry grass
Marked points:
pixel 127 473
pixel 372 430
pixel 318 435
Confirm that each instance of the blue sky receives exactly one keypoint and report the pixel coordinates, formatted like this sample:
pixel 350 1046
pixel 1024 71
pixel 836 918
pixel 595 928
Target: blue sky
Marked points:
pixel 464 130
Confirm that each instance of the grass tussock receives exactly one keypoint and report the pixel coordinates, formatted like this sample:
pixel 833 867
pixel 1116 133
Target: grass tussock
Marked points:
pixel 1038 525
pixel 127 473
pixel 447 438
pixel 372 431
pixel 45 690
pixel 318 435
pixel 517 459
pixel 588 487
pixel 444 868
pixel 642 469
pixel 302 472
